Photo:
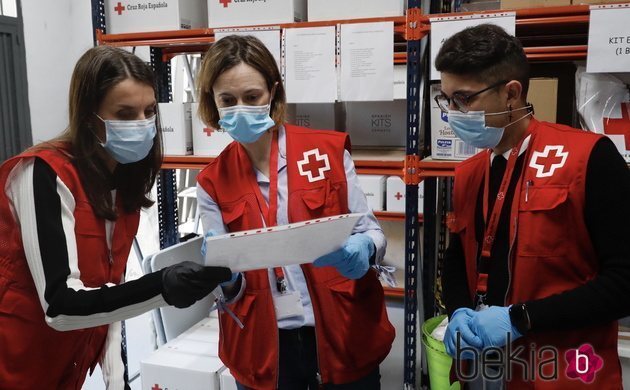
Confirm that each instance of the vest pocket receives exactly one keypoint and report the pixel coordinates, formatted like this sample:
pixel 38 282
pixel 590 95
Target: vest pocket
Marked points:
pixel 238 215
pixel 316 202
pixel 543 222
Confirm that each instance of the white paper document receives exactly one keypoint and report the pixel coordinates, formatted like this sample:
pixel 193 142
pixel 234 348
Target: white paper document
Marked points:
pixel 367 61
pixel 270 38
pixel 443 28
pixel 296 243
pixel 609 39
pixel 310 75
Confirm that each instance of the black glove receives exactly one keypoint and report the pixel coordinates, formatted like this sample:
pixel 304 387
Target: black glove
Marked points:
pixel 187 282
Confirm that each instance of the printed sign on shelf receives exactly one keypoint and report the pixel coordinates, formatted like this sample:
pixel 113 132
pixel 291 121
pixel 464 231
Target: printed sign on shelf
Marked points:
pixel 609 39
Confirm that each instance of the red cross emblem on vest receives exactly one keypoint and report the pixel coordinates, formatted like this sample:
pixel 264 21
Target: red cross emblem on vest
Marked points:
pixel 225 2
pixel 308 166
pixel 119 8
pixel 546 162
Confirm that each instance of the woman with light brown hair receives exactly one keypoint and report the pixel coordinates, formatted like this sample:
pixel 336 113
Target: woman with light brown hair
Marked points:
pixel 320 324
pixel 69 209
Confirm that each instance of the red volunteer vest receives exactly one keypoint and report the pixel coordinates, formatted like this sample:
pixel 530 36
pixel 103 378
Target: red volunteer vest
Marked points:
pixel 32 354
pixel 353 332
pixel 551 252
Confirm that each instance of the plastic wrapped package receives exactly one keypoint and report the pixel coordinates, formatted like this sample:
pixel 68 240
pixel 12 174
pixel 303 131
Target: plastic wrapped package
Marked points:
pixel 603 104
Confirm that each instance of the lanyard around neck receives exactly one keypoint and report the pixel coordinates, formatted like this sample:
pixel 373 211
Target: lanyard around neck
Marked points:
pixel 269 211
pixel 492 221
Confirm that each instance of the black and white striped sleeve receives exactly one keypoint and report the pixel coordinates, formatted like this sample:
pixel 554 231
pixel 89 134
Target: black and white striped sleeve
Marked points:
pixel 44 208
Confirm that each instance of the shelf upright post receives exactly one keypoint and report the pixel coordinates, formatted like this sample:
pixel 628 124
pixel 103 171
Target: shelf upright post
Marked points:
pixel 166 183
pixel 98 19
pixel 411 177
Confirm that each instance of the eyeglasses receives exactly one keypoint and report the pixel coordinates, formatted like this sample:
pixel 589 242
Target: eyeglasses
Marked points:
pixel 461 100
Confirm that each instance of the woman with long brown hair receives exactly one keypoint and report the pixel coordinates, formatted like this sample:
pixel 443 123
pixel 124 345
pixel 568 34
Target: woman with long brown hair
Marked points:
pixel 69 209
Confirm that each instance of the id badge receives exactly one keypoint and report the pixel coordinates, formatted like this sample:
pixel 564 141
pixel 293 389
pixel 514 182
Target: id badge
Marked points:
pixel 288 305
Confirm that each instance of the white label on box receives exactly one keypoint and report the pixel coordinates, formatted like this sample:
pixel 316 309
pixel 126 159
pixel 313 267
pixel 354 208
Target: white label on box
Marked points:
pixel 127 16
pixel 310 65
pixel 175 120
pixel 609 39
pixel 367 69
pixel 443 28
pixel 232 13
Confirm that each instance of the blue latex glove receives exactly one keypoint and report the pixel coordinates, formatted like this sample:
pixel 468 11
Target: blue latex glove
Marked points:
pixel 353 259
pixel 459 325
pixel 492 325
pixel 211 233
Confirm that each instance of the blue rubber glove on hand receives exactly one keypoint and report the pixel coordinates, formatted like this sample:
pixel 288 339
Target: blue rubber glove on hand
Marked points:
pixel 459 326
pixel 492 325
pixel 212 233
pixel 353 259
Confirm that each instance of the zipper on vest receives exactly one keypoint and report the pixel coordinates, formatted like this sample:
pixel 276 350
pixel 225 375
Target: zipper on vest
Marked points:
pixel 110 256
pixel 318 374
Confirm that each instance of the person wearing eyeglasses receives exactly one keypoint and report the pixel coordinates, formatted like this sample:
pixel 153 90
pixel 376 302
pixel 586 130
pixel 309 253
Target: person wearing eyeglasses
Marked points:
pixel 538 262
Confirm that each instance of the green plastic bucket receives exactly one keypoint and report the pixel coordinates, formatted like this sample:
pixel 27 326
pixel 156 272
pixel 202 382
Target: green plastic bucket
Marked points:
pixel 438 361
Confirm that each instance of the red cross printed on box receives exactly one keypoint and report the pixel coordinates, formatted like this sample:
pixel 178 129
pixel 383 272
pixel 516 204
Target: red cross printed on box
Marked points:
pixel 119 8
pixel 619 126
pixel 308 166
pixel 546 162
pixel 208 131
pixel 225 2
pixel 156 387
pixel 398 196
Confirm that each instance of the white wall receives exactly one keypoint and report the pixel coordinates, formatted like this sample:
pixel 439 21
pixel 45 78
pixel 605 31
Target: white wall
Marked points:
pixel 56 33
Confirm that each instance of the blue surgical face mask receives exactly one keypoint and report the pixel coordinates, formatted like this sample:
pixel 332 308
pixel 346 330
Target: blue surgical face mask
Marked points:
pixel 129 141
pixel 471 127
pixel 246 123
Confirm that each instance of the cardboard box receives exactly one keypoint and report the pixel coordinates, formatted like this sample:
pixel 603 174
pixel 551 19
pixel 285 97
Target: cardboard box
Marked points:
pixel 189 361
pixel 176 128
pixel 227 380
pixel 578 2
pixel 377 123
pixel 518 4
pixel 206 140
pixel 373 187
pixel 543 94
pixel 128 16
pixel 444 143
pixel 319 10
pixel 320 116
pixel 480 5
pixel 232 13
pixel 396 193
pixel 400 82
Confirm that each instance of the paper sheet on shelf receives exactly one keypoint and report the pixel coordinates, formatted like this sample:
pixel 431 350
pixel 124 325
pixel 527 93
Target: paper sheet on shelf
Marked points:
pixel 296 243
pixel 367 68
pixel 310 71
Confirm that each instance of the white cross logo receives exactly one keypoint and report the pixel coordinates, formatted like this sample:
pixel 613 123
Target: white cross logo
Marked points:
pixel 548 163
pixel 312 165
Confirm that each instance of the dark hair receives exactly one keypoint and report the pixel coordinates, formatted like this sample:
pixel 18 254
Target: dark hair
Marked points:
pixel 95 74
pixel 225 54
pixel 487 53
